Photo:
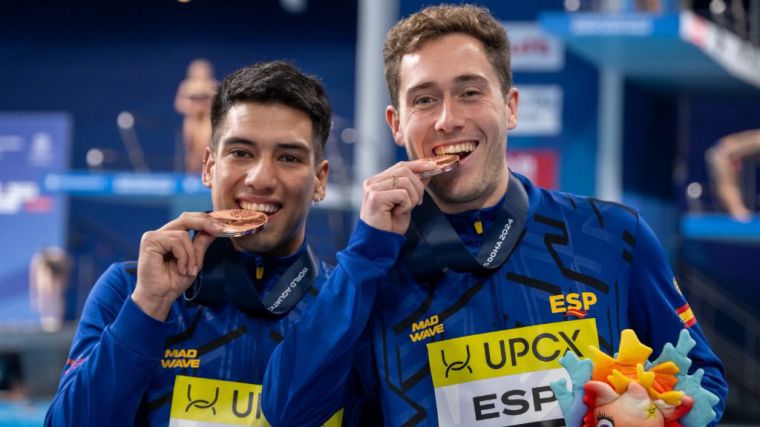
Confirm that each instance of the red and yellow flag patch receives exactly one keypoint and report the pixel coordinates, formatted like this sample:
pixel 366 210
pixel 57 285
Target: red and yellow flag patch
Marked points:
pixel 686 315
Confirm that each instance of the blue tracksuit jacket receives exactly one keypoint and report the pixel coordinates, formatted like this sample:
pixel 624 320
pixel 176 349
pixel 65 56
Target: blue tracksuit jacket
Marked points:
pixel 126 368
pixel 583 270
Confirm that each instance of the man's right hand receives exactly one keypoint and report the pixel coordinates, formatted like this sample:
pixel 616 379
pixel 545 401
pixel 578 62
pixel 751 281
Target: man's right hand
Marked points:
pixel 390 196
pixel 169 260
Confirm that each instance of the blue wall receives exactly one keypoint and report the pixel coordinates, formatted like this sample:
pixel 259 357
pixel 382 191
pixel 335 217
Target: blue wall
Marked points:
pixel 95 59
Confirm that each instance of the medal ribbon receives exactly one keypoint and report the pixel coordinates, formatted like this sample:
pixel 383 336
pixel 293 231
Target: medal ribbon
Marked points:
pixel 433 245
pixel 225 278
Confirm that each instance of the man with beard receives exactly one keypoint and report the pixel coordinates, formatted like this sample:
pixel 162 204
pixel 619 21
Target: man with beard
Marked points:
pixel 496 278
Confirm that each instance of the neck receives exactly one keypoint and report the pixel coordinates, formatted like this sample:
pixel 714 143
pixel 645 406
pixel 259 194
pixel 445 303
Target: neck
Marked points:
pixel 491 198
pixel 284 250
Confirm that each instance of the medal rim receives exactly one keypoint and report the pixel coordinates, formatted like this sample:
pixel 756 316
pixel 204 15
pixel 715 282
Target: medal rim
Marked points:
pixel 446 163
pixel 254 223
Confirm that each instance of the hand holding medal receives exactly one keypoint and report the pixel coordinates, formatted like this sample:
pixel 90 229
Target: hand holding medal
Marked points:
pixel 391 195
pixel 170 259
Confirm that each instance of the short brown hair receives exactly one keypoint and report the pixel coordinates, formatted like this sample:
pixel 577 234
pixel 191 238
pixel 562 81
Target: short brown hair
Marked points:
pixel 436 21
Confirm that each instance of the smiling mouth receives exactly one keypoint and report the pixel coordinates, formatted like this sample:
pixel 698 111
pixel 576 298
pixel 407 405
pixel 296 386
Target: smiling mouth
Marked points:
pixel 462 149
pixel 267 208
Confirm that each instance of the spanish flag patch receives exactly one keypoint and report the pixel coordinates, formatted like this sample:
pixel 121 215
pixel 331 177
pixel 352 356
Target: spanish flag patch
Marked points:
pixel 686 315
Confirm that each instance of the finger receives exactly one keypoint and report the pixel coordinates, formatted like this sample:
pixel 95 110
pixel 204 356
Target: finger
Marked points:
pixel 413 169
pixel 403 201
pixel 394 178
pixel 404 168
pixel 383 201
pixel 392 181
pixel 380 183
pixel 412 184
pixel 384 195
pixel 191 262
pixel 201 242
pixel 418 166
pixel 194 221
pixel 418 188
pixel 172 248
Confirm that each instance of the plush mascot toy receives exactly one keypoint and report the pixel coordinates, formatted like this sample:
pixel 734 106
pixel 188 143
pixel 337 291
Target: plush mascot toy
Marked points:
pixel 629 390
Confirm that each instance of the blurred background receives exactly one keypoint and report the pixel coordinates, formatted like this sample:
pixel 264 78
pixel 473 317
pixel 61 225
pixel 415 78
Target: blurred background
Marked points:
pixel 620 99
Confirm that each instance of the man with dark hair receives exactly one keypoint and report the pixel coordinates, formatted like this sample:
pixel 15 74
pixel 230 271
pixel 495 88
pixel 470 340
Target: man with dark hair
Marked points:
pixel 145 355
pixel 276 82
pixel 491 279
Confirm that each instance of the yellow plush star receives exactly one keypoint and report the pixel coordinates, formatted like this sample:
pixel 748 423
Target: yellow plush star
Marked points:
pixel 628 365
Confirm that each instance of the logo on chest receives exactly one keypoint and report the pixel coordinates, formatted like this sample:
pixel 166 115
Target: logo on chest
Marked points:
pixel 426 328
pixel 573 304
pixel 180 358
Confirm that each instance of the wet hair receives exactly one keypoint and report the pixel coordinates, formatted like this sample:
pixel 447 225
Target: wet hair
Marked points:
pixel 432 22
pixel 276 82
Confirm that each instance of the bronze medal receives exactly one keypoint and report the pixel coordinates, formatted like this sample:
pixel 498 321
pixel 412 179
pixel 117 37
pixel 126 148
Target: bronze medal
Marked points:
pixel 239 222
pixel 446 162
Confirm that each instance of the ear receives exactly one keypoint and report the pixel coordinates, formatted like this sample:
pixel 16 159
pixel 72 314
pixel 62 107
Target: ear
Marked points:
pixel 513 99
pixel 320 189
pixel 208 167
pixel 391 117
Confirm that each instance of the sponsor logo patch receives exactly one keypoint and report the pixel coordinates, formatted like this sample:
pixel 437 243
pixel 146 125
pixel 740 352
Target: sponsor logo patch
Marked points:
pixel 180 358
pixel 502 378
pixel 426 328
pixel 202 402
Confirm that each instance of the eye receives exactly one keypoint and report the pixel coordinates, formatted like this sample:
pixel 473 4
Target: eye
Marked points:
pixel 289 158
pixel 423 100
pixel 470 93
pixel 239 153
pixel 603 420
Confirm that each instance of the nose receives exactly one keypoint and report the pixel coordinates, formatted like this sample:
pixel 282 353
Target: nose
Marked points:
pixel 449 117
pixel 261 176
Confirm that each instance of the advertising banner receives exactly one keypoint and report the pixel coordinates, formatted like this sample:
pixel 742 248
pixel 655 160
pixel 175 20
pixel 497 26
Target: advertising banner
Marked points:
pixel 32 223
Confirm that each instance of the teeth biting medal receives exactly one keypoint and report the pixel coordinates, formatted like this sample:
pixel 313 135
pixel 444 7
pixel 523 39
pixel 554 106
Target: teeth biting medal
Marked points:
pixel 239 222
pixel 445 162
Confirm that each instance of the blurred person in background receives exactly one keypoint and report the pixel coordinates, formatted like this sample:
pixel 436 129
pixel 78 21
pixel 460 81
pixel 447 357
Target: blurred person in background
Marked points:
pixel 193 101
pixel 489 279
pixel 12 386
pixel 48 279
pixel 724 162
pixel 183 335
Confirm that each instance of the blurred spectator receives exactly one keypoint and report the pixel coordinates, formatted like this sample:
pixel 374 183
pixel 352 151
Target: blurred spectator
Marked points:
pixel 648 5
pixel 48 279
pixel 623 6
pixel 724 161
pixel 193 100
